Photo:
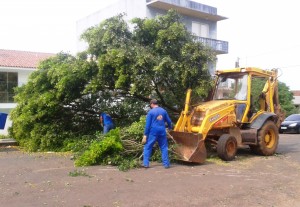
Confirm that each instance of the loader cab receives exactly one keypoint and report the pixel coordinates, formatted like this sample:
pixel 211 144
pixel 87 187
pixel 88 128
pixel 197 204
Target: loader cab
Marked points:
pixel 234 86
pixel 247 90
pixel 231 87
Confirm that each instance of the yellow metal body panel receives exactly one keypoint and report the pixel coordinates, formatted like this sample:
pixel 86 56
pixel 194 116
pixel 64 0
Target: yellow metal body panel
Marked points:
pixel 214 112
pixel 250 70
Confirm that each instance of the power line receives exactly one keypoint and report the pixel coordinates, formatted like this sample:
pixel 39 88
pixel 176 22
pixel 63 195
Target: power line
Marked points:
pixel 290 66
pixel 263 53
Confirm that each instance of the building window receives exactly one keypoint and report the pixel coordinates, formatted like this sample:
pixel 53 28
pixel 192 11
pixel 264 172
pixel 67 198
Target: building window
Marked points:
pixel 8 81
pixel 200 29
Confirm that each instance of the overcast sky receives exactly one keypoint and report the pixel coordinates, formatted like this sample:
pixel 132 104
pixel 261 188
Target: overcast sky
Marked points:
pixel 261 34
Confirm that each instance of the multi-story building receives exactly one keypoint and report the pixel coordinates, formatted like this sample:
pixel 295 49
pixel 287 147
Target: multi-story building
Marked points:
pixel 15 68
pixel 198 18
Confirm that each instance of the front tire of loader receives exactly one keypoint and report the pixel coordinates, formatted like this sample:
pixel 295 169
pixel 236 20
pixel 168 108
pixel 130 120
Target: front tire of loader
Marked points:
pixel 227 147
pixel 267 139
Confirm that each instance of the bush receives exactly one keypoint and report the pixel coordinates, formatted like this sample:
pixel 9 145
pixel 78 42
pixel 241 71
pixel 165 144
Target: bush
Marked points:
pixel 100 150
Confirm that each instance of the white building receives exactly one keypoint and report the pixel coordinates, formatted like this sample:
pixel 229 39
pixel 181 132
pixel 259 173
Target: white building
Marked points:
pixel 15 68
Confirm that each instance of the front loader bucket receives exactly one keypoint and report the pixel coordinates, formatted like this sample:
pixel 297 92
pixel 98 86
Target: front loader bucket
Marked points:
pixel 190 147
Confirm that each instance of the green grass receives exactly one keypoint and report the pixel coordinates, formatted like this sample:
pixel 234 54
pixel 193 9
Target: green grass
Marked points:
pixel 77 173
pixel 4 136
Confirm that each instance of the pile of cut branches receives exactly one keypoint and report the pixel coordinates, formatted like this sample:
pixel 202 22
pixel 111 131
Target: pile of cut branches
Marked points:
pixel 120 147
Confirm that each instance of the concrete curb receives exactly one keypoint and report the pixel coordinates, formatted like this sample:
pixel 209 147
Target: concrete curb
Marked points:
pixel 8 142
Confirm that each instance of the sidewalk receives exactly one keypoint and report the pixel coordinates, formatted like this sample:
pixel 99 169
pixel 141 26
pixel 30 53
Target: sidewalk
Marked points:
pixel 8 142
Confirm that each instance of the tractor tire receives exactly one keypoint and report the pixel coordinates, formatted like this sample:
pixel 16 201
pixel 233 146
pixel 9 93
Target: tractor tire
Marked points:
pixel 267 139
pixel 227 147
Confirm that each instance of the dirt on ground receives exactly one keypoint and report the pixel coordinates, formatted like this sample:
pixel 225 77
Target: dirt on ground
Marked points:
pixel 50 179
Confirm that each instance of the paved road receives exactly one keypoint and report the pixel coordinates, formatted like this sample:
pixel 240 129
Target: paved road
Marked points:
pixel 42 179
pixel 289 145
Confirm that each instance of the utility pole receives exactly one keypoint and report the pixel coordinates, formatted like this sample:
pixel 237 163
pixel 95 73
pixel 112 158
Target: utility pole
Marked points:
pixel 237 62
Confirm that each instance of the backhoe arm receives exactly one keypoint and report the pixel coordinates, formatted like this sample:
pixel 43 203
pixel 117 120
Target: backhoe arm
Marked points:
pixel 182 121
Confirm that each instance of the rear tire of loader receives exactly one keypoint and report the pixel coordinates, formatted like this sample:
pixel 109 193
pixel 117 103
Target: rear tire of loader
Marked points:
pixel 227 147
pixel 267 139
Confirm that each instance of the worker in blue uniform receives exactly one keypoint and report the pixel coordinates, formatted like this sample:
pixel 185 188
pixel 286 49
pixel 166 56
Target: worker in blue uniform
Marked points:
pixel 155 131
pixel 106 122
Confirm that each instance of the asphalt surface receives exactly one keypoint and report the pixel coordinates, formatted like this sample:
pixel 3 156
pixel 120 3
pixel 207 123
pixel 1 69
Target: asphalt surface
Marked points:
pixel 50 179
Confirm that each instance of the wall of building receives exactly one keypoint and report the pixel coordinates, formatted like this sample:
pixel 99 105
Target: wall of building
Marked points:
pixel 23 76
pixel 296 100
pixel 131 9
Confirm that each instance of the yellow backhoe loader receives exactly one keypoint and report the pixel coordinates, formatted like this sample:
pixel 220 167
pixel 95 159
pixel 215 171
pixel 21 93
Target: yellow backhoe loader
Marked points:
pixel 243 110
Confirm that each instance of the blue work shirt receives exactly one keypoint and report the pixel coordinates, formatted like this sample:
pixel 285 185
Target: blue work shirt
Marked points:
pixel 107 120
pixel 155 122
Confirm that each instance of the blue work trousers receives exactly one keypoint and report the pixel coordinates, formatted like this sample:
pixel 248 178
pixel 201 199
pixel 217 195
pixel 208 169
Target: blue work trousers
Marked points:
pixel 107 128
pixel 163 145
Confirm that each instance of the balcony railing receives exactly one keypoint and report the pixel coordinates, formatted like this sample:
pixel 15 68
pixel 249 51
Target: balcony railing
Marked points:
pixel 221 47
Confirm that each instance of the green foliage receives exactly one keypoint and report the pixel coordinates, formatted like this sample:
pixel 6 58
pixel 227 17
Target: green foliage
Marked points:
pixel 119 147
pixel 286 99
pixel 4 136
pixel 77 173
pixel 119 73
pixel 101 150
pixel 158 58
pixel 51 106
pixel 79 145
